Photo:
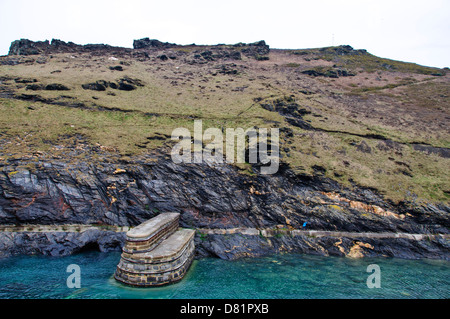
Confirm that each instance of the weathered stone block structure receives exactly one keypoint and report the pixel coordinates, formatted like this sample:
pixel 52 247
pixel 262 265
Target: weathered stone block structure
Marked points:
pixel 156 252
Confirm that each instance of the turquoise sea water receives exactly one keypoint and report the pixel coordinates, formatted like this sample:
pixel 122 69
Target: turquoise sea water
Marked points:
pixel 279 276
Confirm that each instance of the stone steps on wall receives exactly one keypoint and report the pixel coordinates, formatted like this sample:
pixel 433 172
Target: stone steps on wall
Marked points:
pixel 156 252
pixel 149 234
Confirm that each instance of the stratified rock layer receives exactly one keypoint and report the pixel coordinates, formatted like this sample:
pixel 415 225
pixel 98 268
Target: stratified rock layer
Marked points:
pixel 126 195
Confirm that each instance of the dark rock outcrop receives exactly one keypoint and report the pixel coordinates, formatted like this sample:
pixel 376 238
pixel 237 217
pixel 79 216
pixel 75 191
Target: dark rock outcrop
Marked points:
pixel 116 68
pixel 94 86
pixel 163 57
pixel 328 72
pixel 34 87
pixel 343 50
pixel 227 69
pixel 129 84
pixel 21 80
pixel 363 147
pixel 290 109
pixel 256 50
pixel 124 84
pixel 48 87
pixel 28 47
pixel 146 43
pixel 56 87
pixel 220 54
pixel 439 151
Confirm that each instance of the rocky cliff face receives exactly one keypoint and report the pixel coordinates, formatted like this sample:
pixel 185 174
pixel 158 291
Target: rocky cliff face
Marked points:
pixel 126 193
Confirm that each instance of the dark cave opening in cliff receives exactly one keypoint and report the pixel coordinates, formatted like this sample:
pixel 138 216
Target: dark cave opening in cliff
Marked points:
pixel 89 247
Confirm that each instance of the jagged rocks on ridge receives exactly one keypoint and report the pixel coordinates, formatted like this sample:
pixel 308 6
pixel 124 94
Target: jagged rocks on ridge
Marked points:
pixel 151 43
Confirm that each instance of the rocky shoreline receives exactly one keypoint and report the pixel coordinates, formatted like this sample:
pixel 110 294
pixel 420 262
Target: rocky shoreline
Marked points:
pixel 232 244
pixel 61 243
pixel 353 245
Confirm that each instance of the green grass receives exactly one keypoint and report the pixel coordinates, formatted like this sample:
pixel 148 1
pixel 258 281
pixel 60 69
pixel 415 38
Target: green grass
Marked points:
pixel 374 169
pixel 379 88
pixel 291 65
pixel 371 63
pixel 368 62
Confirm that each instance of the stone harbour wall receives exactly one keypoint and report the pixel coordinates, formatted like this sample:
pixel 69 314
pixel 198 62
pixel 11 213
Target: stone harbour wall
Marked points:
pixel 149 274
pixel 156 252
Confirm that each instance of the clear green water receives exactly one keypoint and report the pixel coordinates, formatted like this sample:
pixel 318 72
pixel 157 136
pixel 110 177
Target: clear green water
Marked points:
pixel 278 276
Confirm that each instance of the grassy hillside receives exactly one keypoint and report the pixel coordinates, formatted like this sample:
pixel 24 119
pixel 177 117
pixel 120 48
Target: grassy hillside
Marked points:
pixel 344 113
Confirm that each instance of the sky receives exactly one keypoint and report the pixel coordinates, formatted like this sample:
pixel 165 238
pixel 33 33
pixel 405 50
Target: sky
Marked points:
pixel 411 31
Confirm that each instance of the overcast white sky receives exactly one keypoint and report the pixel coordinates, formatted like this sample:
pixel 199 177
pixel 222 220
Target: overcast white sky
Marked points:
pixel 413 31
